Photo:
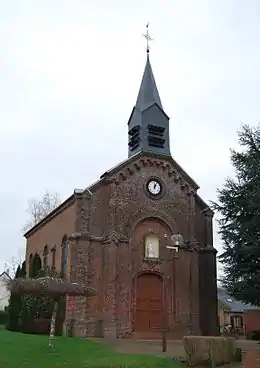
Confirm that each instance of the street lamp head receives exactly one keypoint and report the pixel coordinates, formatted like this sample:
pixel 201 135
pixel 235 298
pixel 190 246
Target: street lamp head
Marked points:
pixel 177 240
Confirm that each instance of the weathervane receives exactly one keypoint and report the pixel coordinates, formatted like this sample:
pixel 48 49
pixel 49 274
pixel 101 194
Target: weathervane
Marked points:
pixel 148 38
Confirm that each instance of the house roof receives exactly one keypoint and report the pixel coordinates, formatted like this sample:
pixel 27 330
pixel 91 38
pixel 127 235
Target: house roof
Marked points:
pixel 233 304
pixel 4 274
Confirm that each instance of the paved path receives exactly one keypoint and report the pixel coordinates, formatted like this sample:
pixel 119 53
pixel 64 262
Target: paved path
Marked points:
pixel 174 348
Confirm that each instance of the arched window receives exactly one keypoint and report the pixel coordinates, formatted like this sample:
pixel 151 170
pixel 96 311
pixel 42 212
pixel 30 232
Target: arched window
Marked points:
pixel 30 263
pixel 53 258
pixel 35 265
pixel 64 249
pixel 151 245
pixel 45 257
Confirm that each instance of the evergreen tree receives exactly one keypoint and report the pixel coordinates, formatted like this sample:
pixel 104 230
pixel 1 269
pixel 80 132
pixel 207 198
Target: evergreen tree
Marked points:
pixel 23 270
pixel 14 307
pixel 239 226
pixel 18 272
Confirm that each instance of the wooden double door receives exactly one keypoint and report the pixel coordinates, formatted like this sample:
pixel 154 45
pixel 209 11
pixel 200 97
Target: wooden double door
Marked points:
pixel 149 303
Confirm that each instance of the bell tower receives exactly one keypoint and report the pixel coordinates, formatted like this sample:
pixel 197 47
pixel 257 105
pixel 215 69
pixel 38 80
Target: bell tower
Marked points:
pixel 148 126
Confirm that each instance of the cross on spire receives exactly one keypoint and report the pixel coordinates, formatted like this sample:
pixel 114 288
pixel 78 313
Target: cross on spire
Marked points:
pixel 148 38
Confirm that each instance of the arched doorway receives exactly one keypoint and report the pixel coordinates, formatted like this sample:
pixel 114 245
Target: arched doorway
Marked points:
pixel 149 303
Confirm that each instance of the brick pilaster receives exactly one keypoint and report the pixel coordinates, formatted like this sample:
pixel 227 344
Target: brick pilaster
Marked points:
pixel 208 291
pixel 76 315
pixel 208 230
pixel 191 217
pixel 110 284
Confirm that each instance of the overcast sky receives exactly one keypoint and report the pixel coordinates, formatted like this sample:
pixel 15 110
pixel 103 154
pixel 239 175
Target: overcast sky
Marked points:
pixel 69 76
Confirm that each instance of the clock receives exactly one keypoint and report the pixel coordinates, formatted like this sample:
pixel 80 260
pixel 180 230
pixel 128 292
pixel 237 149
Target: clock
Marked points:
pixel 154 187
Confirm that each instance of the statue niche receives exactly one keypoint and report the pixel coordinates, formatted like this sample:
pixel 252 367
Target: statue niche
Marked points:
pixel 151 245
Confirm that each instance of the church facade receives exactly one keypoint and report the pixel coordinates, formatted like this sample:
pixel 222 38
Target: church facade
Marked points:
pixel 117 235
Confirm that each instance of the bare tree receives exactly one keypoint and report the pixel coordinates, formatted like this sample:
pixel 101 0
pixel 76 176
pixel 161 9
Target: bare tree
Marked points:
pixel 11 265
pixel 39 208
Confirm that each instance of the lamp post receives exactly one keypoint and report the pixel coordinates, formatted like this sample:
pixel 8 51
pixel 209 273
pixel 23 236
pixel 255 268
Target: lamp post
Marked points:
pixel 177 241
pixel 190 295
pixel 164 322
pixel 174 256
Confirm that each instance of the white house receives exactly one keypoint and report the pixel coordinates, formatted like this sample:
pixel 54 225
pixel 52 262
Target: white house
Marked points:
pixel 4 293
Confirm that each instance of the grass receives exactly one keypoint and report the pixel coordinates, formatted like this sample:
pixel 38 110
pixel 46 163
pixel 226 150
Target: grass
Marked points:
pixel 31 351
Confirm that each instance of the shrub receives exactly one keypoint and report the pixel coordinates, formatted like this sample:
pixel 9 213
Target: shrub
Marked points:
pixel 249 336
pixel 41 326
pixel 14 308
pixel 201 350
pixel 253 335
pixel 3 317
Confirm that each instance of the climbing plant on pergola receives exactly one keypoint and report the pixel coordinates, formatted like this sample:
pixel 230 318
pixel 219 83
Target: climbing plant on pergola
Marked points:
pixel 56 288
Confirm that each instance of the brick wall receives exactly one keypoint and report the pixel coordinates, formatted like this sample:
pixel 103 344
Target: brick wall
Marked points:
pixel 116 218
pixel 50 234
pixel 110 223
pixel 251 320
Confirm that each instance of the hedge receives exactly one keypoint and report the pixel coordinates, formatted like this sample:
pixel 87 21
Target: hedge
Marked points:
pixel 3 317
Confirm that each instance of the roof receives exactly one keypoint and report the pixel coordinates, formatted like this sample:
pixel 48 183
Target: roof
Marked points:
pixel 4 274
pixel 204 205
pixel 233 304
pixel 118 166
pixel 148 92
pixel 53 213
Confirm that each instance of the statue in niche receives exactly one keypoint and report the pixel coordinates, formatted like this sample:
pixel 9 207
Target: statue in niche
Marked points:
pixel 152 246
pixel 150 250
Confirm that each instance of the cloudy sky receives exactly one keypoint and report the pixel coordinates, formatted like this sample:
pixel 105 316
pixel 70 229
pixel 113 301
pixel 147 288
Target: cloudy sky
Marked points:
pixel 69 76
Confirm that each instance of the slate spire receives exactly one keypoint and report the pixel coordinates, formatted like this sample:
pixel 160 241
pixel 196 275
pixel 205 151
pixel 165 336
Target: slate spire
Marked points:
pixel 148 92
pixel 148 126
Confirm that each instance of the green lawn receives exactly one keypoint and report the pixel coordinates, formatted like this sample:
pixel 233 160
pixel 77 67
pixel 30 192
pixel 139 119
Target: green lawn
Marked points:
pixel 31 351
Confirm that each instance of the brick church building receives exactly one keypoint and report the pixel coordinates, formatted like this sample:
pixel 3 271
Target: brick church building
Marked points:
pixel 117 235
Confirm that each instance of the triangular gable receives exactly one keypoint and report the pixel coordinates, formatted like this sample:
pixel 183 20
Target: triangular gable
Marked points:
pixel 108 173
pixel 138 155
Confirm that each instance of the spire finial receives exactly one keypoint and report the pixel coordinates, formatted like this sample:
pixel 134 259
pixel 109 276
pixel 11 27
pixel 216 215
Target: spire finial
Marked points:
pixel 148 38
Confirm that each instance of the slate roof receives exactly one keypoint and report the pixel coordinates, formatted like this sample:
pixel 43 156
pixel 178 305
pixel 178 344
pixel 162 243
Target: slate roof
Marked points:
pixel 233 304
pixel 4 275
pixel 148 92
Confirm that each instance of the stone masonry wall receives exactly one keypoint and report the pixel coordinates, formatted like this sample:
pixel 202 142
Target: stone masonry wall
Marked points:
pixel 111 225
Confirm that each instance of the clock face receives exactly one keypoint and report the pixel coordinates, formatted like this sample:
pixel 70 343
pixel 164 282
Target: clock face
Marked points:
pixel 154 187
